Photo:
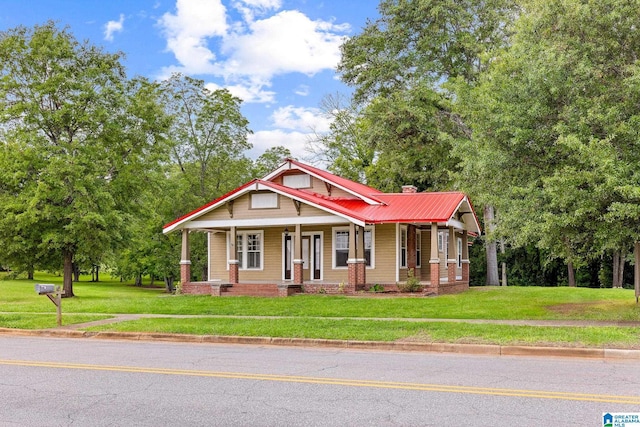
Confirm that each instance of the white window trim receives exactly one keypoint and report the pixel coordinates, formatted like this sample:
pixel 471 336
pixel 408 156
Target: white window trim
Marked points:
pixel 418 248
pixel 403 230
pixel 244 233
pixel 333 247
pixel 459 250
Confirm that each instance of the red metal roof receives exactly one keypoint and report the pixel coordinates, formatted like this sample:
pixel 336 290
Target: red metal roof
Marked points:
pixel 391 207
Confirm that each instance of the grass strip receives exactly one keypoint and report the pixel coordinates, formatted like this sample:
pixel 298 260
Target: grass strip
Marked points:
pixel 478 303
pixel 44 320
pixel 375 330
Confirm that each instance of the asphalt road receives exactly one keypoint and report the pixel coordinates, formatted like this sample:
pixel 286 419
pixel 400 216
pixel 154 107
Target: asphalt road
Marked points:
pixel 71 382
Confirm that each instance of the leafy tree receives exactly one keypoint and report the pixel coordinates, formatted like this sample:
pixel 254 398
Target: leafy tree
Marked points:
pixel 209 134
pixel 403 67
pixel 270 160
pixel 87 133
pixel 560 108
pixel 343 148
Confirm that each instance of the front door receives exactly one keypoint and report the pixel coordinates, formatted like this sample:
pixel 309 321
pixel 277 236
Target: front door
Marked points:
pixel 311 256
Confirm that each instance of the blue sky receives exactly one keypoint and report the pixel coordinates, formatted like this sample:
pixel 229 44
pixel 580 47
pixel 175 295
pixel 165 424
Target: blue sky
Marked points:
pixel 279 56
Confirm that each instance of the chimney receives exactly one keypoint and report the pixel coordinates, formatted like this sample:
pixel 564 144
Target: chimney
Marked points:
pixel 409 189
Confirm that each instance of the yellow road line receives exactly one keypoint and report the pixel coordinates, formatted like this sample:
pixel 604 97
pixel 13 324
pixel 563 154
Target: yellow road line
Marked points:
pixel 539 394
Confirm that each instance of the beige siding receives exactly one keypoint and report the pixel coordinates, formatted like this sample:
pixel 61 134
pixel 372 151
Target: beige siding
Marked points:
pixel 385 255
pixel 317 186
pixel 218 257
pixel 242 210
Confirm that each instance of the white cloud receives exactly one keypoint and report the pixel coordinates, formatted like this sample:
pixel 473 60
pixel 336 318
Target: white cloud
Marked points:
pixel 302 90
pixel 250 52
pixel 112 27
pixel 286 42
pixel 249 93
pixel 188 31
pixel 250 8
pixel 262 140
pixel 300 119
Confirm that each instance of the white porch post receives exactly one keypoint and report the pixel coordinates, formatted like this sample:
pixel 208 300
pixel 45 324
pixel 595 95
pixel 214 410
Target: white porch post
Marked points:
pixel 233 257
pixel 298 273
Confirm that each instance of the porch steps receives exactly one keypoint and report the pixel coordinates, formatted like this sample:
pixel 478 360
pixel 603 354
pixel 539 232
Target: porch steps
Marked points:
pixel 253 290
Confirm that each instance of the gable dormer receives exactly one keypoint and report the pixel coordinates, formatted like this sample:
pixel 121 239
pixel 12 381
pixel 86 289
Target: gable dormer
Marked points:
pixel 291 174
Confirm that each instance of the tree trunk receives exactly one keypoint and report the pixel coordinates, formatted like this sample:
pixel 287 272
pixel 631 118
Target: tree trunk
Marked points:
pixel 67 274
pixel 621 269
pixel 616 269
pixel 636 270
pixel 138 281
pixel 572 274
pixel 491 248
pixel 76 272
pixel 30 271
pixel 168 281
pixel 97 267
pixel 504 264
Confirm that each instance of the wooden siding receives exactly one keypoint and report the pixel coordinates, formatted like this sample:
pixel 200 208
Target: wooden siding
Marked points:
pixel 241 210
pixel 317 185
pixel 385 255
pixel 218 257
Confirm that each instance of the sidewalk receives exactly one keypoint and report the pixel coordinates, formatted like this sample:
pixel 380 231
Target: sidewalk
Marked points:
pixel 72 331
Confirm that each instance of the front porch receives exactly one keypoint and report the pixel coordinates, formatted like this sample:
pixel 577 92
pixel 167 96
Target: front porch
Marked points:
pixel 285 289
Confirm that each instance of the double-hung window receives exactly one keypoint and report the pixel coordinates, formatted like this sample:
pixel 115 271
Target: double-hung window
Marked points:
pixel 341 247
pixel 249 250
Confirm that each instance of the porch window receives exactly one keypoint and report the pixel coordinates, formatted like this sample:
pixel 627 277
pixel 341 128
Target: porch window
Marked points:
pixel 418 248
pixel 403 247
pixel 459 253
pixel 341 239
pixel 249 250
pixel 341 247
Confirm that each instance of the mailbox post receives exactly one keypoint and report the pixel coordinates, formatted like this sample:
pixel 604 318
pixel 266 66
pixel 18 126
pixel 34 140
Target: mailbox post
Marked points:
pixel 54 293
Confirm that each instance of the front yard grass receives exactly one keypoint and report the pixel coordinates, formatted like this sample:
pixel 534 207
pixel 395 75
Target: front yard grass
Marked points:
pixel 312 316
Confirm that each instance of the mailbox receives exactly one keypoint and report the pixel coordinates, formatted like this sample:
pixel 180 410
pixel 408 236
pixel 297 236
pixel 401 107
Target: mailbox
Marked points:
pixel 44 289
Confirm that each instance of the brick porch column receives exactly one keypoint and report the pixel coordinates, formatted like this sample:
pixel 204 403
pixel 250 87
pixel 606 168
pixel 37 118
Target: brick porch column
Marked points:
pixel 185 262
pixel 465 256
pixel 452 262
pixel 434 261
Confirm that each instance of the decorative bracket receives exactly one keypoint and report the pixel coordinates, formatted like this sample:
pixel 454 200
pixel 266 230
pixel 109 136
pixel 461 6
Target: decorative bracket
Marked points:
pixel 297 204
pixel 230 208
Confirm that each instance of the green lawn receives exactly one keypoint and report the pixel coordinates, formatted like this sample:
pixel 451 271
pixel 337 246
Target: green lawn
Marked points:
pixel 311 313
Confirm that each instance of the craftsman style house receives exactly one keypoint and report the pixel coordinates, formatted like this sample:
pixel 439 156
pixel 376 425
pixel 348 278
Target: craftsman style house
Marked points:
pixel 302 229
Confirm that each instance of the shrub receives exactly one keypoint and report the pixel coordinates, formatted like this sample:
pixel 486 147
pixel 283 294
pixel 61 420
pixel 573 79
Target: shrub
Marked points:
pixel 412 284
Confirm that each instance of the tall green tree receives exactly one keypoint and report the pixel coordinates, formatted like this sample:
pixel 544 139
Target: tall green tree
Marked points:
pixel 88 135
pixel 558 110
pixel 209 136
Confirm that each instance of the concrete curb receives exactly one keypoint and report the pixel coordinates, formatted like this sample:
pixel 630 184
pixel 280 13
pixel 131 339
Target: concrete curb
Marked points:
pixel 475 349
